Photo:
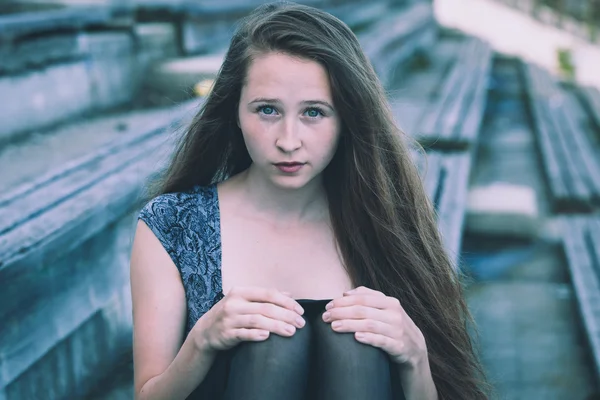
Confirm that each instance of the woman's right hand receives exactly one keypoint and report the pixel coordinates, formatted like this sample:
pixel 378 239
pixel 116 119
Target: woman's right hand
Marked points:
pixel 247 314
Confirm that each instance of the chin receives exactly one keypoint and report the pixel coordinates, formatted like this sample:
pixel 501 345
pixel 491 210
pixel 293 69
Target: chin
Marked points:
pixel 290 182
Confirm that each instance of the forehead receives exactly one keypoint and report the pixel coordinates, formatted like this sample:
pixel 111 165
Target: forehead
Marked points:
pixel 278 74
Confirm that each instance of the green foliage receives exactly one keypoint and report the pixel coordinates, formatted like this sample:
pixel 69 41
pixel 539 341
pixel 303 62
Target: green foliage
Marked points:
pixel 565 64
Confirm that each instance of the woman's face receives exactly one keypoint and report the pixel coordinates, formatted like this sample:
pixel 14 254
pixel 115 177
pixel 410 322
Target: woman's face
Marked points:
pixel 287 119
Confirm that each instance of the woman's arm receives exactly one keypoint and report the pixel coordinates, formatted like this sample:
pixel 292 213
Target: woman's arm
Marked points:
pixel 181 377
pixel 164 368
pixel 417 382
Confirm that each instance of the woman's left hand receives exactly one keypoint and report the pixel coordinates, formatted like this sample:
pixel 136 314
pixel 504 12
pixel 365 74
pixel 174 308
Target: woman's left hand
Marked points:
pixel 379 321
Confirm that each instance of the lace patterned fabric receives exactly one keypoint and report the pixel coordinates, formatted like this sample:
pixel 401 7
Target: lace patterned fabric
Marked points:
pixel 188 225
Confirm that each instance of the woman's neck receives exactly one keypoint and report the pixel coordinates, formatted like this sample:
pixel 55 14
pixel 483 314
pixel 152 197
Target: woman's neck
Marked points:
pixel 288 206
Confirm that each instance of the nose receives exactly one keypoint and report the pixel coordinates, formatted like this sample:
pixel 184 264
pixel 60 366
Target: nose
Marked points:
pixel 288 138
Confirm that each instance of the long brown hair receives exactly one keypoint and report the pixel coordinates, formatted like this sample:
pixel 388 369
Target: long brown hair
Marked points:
pixel 383 221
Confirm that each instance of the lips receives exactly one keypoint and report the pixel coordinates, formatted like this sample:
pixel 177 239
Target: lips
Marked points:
pixel 289 167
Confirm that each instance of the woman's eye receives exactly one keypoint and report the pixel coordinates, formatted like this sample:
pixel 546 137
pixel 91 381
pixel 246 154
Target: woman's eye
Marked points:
pixel 267 110
pixel 314 112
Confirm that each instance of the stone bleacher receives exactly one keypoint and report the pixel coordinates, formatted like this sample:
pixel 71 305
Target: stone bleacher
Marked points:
pixel 454 112
pixel 446 180
pixel 69 61
pixel 454 119
pixel 207 26
pixel 202 27
pixel 397 38
pixel 568 157
pixel 581 240
pixel 590 97
pixel 51 300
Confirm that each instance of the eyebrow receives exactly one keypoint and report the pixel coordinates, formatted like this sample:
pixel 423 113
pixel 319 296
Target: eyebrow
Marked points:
pixel 277 101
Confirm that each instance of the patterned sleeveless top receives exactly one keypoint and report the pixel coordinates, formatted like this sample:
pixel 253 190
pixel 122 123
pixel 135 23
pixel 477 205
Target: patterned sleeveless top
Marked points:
pixel 188 225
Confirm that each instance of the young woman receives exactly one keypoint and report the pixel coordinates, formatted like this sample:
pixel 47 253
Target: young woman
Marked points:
pixel 291 250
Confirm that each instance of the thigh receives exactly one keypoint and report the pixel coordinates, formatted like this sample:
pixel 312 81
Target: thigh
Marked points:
pixel 347 368
pixel 276 368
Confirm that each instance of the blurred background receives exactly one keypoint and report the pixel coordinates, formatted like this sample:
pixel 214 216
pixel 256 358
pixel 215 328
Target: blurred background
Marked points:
pixel 503 95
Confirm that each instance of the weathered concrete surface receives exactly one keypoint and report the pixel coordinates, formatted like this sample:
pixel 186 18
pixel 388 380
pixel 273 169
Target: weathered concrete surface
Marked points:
pixel 445 179
pixel 501 209
pixel 208 27
pixel 412 92
pixel 65 267
pixel 53 94
pixel 507 151
pixel 111 62
pixel 37 52
pixel 200 37
pixel 47 150
pixel 454 120
pixel 100 77
pixel 26 18
pixel 531 344
pixel 119 386
pixel 84 298
pixel 155 42
pixel 531 339
pixel 397 38
pixel 569 160
pixel 358 15
pixel 581 239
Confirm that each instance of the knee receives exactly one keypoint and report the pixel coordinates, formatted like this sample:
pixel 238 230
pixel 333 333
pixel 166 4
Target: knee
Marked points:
pixel 344 349
pixel 276 349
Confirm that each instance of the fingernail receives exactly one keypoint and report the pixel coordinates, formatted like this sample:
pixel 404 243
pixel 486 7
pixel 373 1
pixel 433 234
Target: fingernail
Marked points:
pixel 300 321
pixel 299 310
pixel 288 294
pixel 350 291
pixel 336 324
pixel 328 306
pixel 290 329
pixel 326 316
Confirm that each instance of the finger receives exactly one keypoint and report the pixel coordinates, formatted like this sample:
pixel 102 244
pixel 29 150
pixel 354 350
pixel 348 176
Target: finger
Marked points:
pixel 257 321
pixel 374 339
pixel 272 311
pixel 363 290
pixel 380 302
pixel 250 335
pixel 365 325
pixel 360 312
pixel 265 295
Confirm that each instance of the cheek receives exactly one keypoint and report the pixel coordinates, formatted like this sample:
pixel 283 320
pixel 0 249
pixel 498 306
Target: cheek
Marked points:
pixel 251 131
pixel 328 140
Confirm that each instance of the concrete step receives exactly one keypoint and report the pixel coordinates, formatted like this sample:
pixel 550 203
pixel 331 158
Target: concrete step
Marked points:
pixel 360 15
pixel 503 210
pixel 155 42
pixel 30 160
pixel 64 245
pixel 409 98
pixel 398 37
pixel 53 67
